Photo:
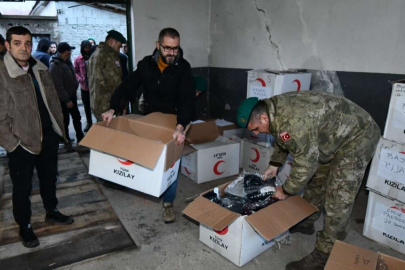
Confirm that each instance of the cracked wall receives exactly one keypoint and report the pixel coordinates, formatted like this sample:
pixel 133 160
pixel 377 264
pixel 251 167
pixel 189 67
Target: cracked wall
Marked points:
pixel 361 36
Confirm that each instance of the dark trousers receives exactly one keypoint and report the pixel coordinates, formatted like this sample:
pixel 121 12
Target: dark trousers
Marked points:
pixel 74 112
pixel 21 165
pixel 86 103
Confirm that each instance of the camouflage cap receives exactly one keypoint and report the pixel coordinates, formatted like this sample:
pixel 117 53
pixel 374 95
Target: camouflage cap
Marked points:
pixel 200 84
pixel 244 110
pixel 117 35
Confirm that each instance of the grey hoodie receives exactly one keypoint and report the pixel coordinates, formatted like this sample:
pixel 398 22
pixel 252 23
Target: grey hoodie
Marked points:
pixel 64 77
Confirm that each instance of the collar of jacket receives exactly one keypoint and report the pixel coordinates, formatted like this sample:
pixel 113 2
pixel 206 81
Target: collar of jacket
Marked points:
pixel 57 58
pixel 155 57
pixel 107 47
pixel 271 109
pixel 14 70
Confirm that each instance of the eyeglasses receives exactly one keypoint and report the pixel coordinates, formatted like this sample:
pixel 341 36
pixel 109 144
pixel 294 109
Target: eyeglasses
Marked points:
pixel 168 48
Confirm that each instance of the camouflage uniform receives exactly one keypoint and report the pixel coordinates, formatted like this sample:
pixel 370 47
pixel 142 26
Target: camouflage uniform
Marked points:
pixel 105 75
pixel 331 140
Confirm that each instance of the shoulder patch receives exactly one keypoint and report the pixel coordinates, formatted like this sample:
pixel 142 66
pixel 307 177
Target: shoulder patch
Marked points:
pixel 285 136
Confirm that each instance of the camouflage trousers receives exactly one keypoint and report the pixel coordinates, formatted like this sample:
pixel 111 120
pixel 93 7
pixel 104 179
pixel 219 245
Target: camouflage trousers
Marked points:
pixel 334 187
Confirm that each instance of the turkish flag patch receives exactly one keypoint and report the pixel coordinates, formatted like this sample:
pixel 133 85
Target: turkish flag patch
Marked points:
pixel 285 136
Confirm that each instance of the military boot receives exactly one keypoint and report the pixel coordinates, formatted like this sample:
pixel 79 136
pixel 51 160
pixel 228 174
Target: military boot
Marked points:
pixel 316 260
pixel 304 228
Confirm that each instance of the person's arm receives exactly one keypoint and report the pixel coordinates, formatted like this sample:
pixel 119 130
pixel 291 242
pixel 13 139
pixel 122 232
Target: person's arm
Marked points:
pixel 185 97
pixel 7 139
pixel 57 78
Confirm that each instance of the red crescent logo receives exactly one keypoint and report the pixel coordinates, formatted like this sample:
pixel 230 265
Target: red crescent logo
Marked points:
pixel 298 84
pixel 223 232
pixel 399 209
pixel 216 167
pixel 402 152
pixel 257 155
pixel 125 162
pixel 185 168
pixel 261 81
pixel 172 165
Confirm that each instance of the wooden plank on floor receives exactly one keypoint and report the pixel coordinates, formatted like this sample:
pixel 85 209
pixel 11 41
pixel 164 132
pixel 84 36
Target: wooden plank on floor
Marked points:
pixel 74 200
pixel 86 245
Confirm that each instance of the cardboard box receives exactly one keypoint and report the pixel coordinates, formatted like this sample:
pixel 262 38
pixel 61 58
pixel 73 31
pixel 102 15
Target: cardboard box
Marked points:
pixel 211 160
pixel 387 172
pixel 385 221
pixel 348 257
pixel 264 83
pixel 236 135
pixel 395 125
pixel 255 157
pixel 241 238
pixel 223 125
pixel 137 153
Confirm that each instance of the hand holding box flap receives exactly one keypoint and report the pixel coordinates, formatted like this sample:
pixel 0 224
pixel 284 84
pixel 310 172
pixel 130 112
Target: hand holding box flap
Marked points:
pixel 202 132
pixel 210 214
pixel 280 216
pixel 345 257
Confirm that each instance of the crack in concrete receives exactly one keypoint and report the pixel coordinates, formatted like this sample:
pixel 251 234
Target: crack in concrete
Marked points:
pixel 277 48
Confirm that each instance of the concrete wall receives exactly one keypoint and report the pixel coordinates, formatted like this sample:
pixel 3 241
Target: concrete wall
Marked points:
pixel 81 22
pixel 361 35
pixel 189 17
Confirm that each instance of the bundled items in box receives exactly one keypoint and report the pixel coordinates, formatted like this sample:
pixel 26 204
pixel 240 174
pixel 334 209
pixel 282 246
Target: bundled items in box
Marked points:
pixel 247 194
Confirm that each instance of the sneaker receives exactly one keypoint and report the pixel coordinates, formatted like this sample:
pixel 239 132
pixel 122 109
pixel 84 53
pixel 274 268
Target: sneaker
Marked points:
pixel 88 126
pixel 28 237
pixel 57 217
pixel 168 212
pixel 304 228
pixel 316 260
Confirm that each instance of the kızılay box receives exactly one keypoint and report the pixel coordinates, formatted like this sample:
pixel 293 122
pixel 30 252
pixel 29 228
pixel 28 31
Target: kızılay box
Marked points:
pixel 236 136
pixel 264 83
pixel 212 156
pixel 262 139
pixel 395 126
pixel 137 153
pixel 348 257
pixel 385 221
pixel 241 238
pixel 256 158
pixel 387 172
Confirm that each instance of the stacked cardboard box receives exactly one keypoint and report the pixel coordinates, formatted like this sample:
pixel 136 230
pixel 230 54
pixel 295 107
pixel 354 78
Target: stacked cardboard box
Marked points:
pixel 264 83
pixel 385 219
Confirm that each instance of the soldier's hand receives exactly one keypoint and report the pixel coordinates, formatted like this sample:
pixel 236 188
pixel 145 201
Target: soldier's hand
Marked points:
pixel 179 135
pixel 69 104
pixel 108 116
pixel 280 194
pixel 270 172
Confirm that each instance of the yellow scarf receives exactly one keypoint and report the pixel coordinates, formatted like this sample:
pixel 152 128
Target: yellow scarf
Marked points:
pixel 162 65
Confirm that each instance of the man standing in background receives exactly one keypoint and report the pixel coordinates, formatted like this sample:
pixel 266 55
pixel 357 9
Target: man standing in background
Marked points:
pixel 43 52
pixel 3 49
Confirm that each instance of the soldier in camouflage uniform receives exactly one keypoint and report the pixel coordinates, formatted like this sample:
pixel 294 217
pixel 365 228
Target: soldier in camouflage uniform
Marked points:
pixel 331 140
pixel 104 72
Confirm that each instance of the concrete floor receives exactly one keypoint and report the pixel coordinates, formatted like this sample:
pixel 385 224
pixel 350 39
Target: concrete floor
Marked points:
pixel 176 245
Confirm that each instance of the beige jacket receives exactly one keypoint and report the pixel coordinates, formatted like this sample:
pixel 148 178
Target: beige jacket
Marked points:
pixel 20 122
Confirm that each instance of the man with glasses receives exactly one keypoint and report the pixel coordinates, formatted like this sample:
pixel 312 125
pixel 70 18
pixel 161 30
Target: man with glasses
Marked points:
pixel 167 85
pixel 31 123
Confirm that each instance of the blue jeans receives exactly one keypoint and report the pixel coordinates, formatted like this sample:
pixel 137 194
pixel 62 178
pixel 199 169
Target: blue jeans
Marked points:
pixel 170 193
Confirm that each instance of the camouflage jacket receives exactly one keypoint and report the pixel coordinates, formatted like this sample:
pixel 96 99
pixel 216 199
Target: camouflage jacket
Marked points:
pixel 313 127
pixel 104 75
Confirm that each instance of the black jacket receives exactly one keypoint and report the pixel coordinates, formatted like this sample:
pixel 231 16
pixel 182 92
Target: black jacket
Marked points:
pixel 169 92
pixel 64 78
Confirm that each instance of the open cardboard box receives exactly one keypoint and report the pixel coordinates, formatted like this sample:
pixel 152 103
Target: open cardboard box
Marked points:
pixel 209 155
pixel 395 125
pixel 348 257
pixel 241 238
pixel 136 152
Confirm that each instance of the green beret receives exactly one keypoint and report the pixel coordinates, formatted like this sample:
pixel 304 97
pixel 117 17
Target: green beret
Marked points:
pixel 117 36
pixel 244 110
pixel 200 84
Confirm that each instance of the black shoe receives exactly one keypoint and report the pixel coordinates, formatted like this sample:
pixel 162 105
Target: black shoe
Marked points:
pixel 88 126
pixel 316 260
pixel 69 147
pixel 57 217
pixel 112 185
pixel 28 237
pixel 304 228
